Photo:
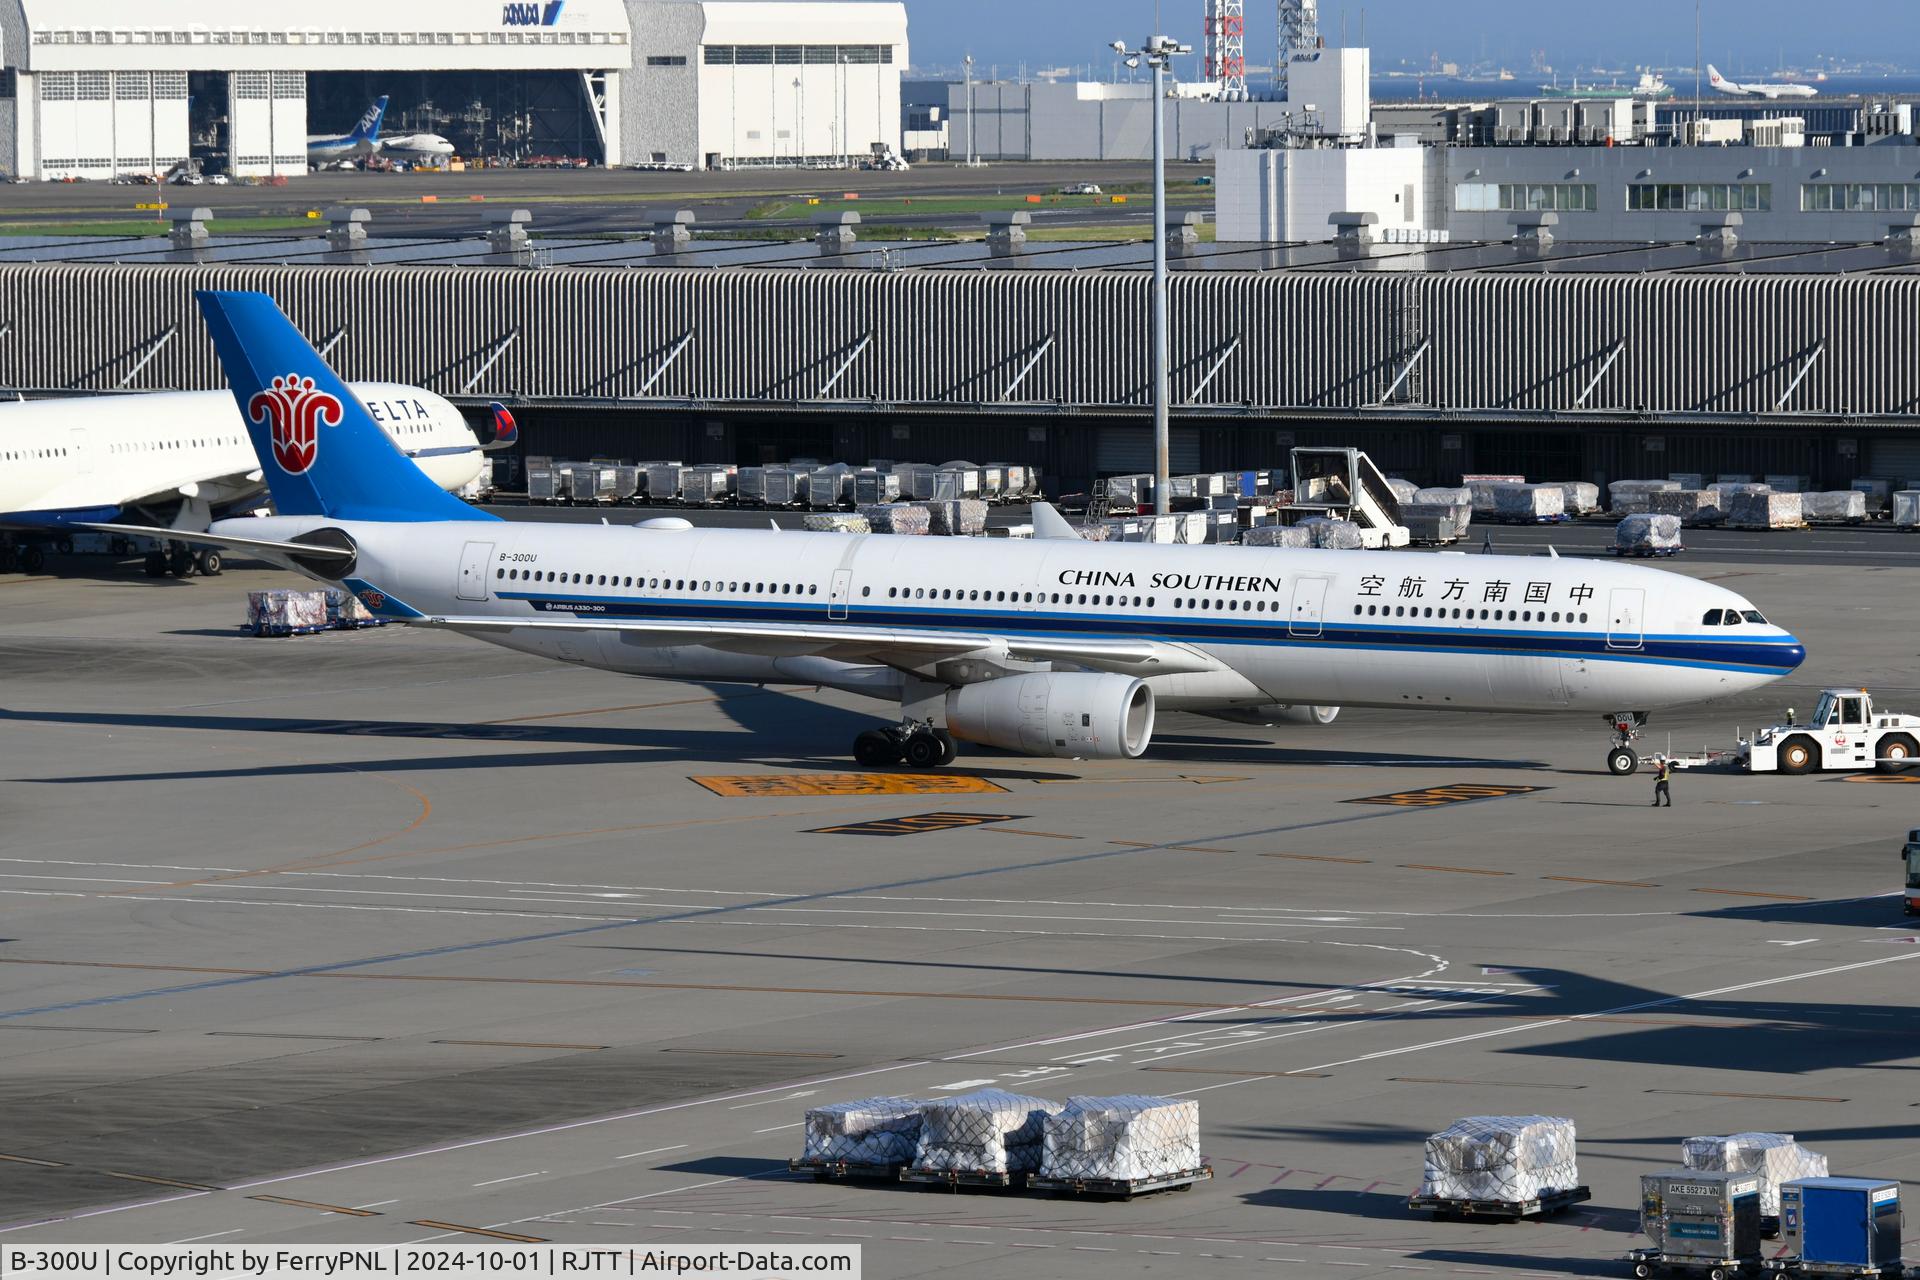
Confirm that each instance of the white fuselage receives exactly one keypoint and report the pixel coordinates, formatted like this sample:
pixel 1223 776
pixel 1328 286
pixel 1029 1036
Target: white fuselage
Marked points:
pixel 111 453
pixel 417 147
pixel 1337 628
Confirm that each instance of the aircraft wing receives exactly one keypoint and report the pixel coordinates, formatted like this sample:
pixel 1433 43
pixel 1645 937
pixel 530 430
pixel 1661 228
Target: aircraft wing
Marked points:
pixel 889 646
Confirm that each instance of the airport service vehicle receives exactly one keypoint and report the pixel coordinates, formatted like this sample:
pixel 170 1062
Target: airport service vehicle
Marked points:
pixel 1845 731
pixel 1757 90
pixel 183 457
pixel 1046 647
pixel 1910 857
pixel 360 142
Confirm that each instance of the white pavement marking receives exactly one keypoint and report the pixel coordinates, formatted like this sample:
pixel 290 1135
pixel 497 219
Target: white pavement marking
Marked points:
pixel 215 1235
pixel 1605 1013
pixel 490 1182
pixel 654 1151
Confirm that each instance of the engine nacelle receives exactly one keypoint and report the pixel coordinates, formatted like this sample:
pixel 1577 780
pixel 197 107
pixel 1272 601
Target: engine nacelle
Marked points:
pixel 1307 715
pixel 1062 714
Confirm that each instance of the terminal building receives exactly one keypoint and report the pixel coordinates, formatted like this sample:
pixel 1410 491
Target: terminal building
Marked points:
pixel 96 89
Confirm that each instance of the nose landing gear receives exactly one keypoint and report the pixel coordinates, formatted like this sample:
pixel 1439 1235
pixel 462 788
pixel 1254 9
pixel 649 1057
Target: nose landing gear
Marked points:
pixel 919 746
pixel 1626 726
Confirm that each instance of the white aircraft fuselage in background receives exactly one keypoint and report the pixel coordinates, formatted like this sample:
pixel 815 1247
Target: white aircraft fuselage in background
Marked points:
pixel 99 456
pixel 1753 89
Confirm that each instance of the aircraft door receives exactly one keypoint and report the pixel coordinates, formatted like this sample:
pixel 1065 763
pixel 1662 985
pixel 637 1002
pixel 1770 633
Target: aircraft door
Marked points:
pixel 1309 606
pixel 1626 609
pixel 77 446
pixel 838 593
pixel 474 562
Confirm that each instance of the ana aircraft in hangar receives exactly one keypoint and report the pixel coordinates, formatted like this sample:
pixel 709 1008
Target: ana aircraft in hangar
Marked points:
pixel 1051 647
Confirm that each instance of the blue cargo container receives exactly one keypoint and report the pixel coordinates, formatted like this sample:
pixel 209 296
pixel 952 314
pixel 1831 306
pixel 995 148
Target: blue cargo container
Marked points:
pixel 1842 1226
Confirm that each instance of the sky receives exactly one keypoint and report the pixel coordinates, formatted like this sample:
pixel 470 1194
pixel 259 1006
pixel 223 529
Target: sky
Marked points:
pixel 1753 35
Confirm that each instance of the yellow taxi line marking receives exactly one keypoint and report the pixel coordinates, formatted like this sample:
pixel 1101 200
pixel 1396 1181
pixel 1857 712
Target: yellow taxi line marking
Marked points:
pixel 520 1044
pixel 787 785
pixel 1318 857
pixel 164 1182
pixel 1461 871
pixel 44 1164
pixel 478 1231
pixel 313 1204
pixel 1621 884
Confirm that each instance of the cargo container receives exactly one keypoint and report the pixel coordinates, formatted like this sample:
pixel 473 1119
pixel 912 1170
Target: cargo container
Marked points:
pixel 1699 1221
pixel 1841 1226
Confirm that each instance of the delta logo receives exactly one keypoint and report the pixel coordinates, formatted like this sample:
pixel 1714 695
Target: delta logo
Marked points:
pixel 293 409
pixel 532 15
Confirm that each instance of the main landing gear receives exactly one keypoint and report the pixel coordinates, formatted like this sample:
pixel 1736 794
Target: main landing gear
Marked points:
pixel 179 562
pixel 918 746
pixel 1622 759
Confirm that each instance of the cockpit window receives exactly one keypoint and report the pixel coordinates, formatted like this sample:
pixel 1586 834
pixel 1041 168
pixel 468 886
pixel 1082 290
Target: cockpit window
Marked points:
pixel 1733 617
pixel 1753 615
pixel 1713 618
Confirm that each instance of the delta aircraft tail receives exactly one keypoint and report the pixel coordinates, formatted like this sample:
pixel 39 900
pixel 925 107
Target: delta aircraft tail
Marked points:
pixel 321 451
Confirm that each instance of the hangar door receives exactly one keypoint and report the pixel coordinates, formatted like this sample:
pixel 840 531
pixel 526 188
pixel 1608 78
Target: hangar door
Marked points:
pixel 100 124
pixel 267 123
pixel 1896 460
pixel 1129 450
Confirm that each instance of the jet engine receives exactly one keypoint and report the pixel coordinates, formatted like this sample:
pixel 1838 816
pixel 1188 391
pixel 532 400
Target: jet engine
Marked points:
pixel 1085 715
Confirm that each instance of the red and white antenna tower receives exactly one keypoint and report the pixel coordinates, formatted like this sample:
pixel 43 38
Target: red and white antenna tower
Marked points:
pixel 1225 25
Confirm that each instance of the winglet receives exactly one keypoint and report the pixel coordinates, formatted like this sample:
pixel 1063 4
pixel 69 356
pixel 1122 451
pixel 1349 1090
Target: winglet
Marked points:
pixel 1048 523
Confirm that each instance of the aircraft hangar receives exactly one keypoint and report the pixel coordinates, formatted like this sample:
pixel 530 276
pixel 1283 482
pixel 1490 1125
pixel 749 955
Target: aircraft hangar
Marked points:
pixel 94 89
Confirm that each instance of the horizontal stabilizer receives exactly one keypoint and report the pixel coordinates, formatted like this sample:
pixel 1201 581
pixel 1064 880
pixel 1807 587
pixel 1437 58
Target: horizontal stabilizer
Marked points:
pixel 264 546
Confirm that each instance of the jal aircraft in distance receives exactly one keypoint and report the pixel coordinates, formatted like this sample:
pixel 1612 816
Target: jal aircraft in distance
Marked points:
pixel 1756 90
pixel 182 457
pixel 418 148
pixel 1050 647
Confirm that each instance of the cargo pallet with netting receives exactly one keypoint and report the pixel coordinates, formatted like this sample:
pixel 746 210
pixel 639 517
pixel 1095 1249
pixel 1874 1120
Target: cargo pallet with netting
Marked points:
pixel 1547 1202
pixel 1652 1262
pixel 954 1179
pixel 1122 1188
pixel 838 1170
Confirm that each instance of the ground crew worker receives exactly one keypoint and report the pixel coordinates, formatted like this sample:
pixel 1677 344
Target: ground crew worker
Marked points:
pixel 1662 779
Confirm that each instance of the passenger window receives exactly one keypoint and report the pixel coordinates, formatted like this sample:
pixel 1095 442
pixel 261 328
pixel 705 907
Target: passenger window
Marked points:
pixel 866 591
pixel 1713 618
pixel 499 573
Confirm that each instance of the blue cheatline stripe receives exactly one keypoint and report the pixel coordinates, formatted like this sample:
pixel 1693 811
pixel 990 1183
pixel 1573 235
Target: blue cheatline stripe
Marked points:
pixel 1742 655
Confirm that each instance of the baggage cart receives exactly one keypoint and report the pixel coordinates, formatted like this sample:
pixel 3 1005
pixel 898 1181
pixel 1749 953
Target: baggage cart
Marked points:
pixel 1840 1227
pixel 750 486
pixel 843 1170
pixel 545 484
pixel 1122 1188
pixel 783 486
pixel 954 1179
pixel 875 488
pixel 1700 1222
pixel 663 482
pixel 1540 1206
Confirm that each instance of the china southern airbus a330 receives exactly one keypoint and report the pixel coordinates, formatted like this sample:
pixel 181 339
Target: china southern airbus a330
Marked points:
pixel 1051 647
